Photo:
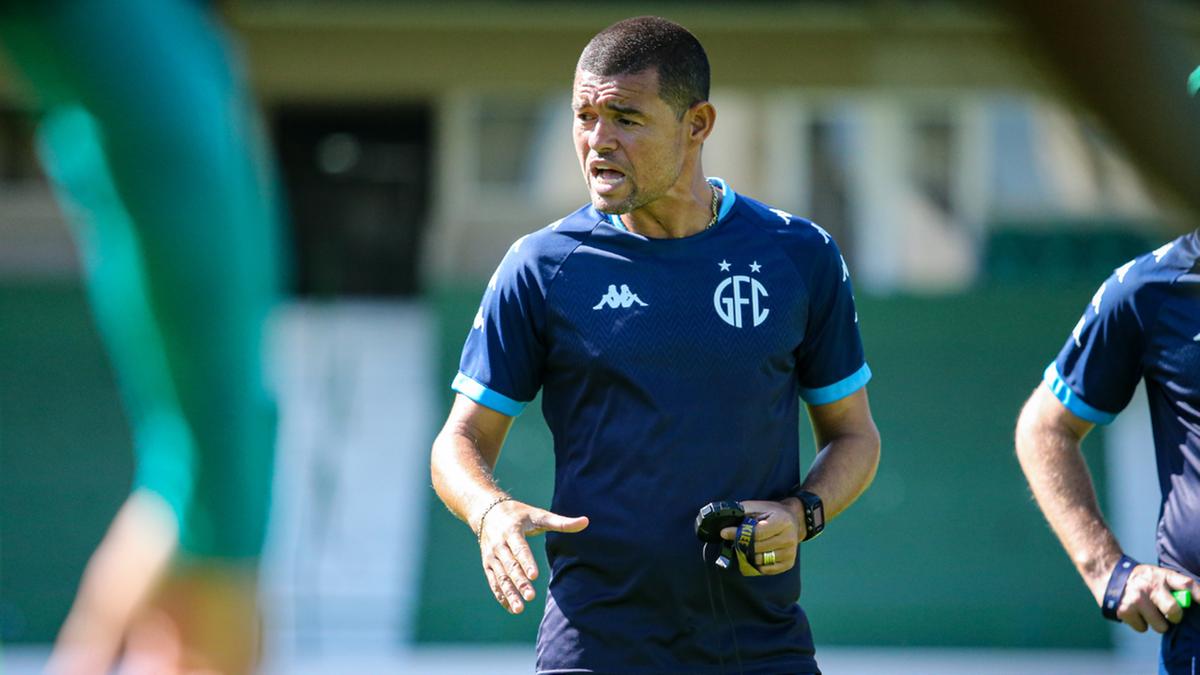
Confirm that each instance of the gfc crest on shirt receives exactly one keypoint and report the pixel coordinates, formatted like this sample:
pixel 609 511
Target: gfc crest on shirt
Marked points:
pixel 738 298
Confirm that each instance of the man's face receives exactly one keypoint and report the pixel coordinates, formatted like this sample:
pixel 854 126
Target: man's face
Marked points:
pixel 629 141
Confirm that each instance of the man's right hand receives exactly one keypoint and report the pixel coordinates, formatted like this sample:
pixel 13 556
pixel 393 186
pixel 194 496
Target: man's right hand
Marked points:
pixel 507 559
pixel 1147 601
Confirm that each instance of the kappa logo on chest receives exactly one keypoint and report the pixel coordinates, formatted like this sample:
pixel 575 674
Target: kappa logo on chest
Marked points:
pixel 622 299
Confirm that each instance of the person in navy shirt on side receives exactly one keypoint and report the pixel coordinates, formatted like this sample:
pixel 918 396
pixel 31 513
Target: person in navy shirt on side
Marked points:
pixel 673 327
pixel 1142 324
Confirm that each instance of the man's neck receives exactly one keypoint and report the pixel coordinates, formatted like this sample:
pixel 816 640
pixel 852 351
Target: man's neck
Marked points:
pixel 675 216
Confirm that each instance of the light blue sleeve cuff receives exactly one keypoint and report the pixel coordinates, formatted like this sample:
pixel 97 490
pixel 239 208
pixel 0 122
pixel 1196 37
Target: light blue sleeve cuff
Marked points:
pixel 838 390
pixel 486 397
pixel 1067 396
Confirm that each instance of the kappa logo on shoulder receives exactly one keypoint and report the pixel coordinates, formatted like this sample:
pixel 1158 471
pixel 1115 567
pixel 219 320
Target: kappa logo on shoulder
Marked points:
pixel 622 299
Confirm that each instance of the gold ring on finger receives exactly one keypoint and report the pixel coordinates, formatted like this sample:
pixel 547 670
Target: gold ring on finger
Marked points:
pixel 769 558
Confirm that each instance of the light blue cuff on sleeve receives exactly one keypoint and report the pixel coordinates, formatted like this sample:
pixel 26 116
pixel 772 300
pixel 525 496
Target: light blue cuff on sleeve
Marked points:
pixel 1067 396
pixel 486 397
pixel 838 390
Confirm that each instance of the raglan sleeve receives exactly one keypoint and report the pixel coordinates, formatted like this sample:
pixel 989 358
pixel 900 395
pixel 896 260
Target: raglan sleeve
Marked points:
pixel 501 365
pixel 830 360
pixel 1098 368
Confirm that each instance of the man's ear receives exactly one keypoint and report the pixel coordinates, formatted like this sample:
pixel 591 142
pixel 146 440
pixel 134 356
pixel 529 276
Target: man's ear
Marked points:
pixel 700 119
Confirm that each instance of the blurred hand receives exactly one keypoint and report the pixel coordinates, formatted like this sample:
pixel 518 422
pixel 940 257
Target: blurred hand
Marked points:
pixel 507 559
pixel 1148 602
pixel 779 529
pixel 203 619
pixel 136 613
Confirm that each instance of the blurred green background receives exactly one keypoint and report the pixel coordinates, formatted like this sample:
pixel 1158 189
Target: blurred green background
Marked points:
pixel 946 542
pixel 978 208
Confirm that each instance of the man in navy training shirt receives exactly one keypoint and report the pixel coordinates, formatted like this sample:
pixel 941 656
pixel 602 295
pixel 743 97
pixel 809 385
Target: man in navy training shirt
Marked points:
pixel 1143 323
pixel 673 325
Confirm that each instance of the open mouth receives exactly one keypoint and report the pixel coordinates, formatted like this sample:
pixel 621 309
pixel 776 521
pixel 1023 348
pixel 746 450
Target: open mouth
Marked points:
pixel 606 177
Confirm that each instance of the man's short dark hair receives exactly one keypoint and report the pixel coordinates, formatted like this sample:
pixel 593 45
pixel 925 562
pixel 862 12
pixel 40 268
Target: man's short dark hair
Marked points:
pixel 633 45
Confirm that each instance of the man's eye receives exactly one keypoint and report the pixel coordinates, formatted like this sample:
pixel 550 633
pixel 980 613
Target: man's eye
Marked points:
pixel 626 122
pixel 585 117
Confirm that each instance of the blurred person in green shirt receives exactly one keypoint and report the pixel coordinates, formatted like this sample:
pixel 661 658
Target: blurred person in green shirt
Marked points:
pixel 152 144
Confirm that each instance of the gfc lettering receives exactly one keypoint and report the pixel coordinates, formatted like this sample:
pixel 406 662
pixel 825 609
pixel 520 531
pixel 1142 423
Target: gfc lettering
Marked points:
pixel 737 295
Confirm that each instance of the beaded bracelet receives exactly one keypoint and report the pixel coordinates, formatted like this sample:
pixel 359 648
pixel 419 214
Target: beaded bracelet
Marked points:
pixel 486 511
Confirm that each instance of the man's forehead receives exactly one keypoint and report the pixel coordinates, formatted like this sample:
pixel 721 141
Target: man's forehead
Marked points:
pixel 597 89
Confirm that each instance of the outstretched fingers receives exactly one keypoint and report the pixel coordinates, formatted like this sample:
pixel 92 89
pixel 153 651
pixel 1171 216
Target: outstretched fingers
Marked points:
pixel 508 561
pixel 494 585
pixel 508 596
pixel 515 569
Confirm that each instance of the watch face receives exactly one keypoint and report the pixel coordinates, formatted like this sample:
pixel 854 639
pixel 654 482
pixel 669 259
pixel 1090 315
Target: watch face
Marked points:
pixel 818 513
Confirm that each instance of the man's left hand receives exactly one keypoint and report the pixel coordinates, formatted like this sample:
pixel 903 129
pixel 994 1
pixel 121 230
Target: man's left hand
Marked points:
pixel 779 529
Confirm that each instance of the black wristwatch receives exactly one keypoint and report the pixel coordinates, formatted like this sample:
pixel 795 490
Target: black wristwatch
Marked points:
pixel 814 512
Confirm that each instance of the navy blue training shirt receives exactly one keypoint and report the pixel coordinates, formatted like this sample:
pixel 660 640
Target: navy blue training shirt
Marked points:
pixel 1144 323
pixel 672 371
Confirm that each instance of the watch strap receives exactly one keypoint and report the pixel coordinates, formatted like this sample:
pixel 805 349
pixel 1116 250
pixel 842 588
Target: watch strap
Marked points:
pixel 811 503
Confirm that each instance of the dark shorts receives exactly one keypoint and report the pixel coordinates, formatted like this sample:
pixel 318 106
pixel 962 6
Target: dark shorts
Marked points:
pixel 1180 653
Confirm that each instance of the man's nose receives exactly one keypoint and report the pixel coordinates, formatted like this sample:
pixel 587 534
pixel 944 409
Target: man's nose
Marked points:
pixel 602 138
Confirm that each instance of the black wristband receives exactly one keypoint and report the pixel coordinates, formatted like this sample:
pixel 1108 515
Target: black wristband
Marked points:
pixel 1116 587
